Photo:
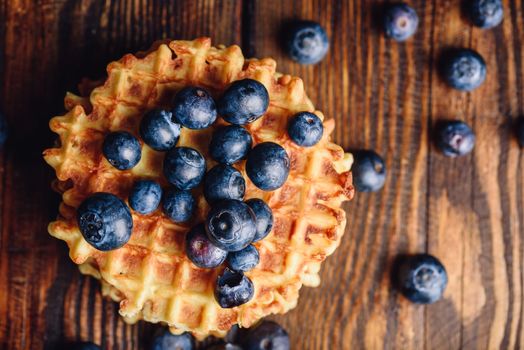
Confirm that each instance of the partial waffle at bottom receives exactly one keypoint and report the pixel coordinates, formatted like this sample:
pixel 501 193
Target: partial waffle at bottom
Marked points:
pixel 151 276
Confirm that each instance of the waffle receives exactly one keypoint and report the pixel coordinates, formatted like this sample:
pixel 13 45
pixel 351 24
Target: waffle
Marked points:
pixel 151 276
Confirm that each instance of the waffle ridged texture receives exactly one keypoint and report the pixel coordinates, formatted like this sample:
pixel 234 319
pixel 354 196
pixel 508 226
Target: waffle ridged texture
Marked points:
pixel 151 276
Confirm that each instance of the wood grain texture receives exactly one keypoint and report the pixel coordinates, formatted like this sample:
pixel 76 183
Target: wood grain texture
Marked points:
pixel 469 212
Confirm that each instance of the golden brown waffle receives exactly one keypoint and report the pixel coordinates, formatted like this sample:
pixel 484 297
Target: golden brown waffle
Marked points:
pixel 151 276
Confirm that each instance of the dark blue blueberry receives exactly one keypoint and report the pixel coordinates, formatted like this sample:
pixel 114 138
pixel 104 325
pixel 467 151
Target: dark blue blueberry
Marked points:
pixel 307 42
pixel 85 345
pixel 369 171
pixel 264 217
pixel 3 129
pixel 400 21
pixel 464 69
pixel 485 13
pixel 244 260
pixel 230 144
pixel 201 251
pixel 145 196
pixel 266 335
pixel 122 150
pixel 223 182
pixel 519 131
pixel 267 166
pixel 224 346
pixel 158 130
pixel 194 108
pixel 165 340
pixel 179 205
pixel 243 102
pixel 305 129
pixel 454 138
pixel 421 278
pixel 105 221
pixel 233 289
pixel 184 167
pixel 230 225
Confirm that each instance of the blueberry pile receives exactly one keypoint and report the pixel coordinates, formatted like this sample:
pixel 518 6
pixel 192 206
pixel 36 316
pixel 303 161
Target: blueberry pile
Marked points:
pixel 232 224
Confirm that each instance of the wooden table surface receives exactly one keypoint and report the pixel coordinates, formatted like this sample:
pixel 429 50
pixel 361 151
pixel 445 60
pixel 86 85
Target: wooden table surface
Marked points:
pixel 469 212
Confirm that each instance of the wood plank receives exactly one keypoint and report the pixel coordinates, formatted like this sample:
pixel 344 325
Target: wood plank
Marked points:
pixel 47 48
pixel 378 92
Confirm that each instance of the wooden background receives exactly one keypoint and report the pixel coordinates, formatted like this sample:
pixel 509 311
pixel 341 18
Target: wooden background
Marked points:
pixel 469 212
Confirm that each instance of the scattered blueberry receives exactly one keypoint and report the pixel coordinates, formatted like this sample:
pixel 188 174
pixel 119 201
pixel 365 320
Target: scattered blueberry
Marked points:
pixel 194 108
pixel 105 221
pixel 268 166
pixel 400 21
pixel 244 260
pixel 230 144
pixel 243 102
pixel 85 345
pixel 145 196
pixel 3 129
pixel 158 130
pixel 233 289
pixel 264 217
pixel 421 278
pixel 485 13
pixel 122 150
pixel 179 205
pixel 520 131
pixel 307 42
pixel 231 225
pixel 369 171
pixel 305 129
pixel 223 182
pixel 201 251
pixel 266 335
pixel 464 69
pixel 184 167
pixel 165 340
pixel 454 138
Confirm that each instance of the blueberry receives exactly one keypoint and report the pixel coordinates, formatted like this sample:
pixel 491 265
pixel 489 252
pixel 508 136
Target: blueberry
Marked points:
pixel 194 108
pixel 266 335
pixel 145 196
pixel 264 217
pixel 84 345
pixel 105 221
pixel 520 131
pixel 184 167
pixel 244 260
pixel 305 129
pixel 3 129
pixel 464 69
pixel 306 42
pixel 369 171
pixel 267 166
pixel 233 289
pixel 122 150
pixel 201 251
pixel 454 138
pixel 158 130
pixel 230 225
pixel 165 340
pixel 224 346
pixel 400 22
pixel 485 13
pixel 421 278
pixel 179 205
pixel 223 182
pixel 243 102
pixel 230 144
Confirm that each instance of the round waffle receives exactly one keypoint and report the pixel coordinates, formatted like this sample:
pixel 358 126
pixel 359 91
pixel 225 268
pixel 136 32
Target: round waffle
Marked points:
pixel 151 276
